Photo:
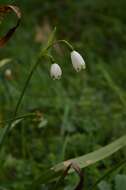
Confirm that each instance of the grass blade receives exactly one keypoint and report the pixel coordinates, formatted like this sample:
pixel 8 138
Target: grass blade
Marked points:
pixel 82 161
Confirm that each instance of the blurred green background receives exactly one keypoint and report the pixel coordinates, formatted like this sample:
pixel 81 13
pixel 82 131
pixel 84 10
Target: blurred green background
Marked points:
pixel 82 111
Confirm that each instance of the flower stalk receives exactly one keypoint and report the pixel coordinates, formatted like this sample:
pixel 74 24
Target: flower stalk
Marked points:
pixel 70 47
pixel 55 72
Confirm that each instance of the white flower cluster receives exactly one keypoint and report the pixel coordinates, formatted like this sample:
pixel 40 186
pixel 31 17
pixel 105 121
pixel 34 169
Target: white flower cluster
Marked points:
pixel 77 62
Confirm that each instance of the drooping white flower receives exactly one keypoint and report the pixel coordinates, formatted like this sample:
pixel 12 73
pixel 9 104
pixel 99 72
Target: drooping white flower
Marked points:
pixel 55 71
pixel 77 61
pixel 8 74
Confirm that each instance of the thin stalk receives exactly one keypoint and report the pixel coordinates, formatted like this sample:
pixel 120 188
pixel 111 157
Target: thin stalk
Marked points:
pixel 62 41
pixel 25 86
pixel 67 43
pixel 4 135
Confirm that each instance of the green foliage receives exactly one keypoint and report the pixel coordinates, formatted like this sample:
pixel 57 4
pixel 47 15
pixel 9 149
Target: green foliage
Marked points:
pixel 83 111
pixel 119 183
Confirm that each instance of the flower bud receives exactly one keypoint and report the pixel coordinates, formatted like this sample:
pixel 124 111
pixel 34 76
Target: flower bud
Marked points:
pixel 77 61
pixel 55 71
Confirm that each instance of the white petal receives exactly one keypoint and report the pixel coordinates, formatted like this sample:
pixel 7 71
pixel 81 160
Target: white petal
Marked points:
pixel 77 61
pixel 55 71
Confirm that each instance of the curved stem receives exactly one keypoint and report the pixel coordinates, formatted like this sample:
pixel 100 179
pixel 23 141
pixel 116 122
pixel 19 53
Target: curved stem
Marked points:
pixel 67 43
pixel 62 41
pixel 4 135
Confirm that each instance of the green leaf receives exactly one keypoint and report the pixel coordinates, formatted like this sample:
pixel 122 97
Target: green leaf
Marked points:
pixel 93 157
pixel 15 123
pixel 120 182
pixel 44 51
pixel 83 161
pixel 6 128
pixel 103 185
pixel 110 171
pixel 4 62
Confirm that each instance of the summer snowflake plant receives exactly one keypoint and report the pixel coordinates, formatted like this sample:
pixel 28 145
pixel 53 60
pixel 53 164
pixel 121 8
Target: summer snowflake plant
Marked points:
pixel 74 164
pixel 55 71
pixel 77 62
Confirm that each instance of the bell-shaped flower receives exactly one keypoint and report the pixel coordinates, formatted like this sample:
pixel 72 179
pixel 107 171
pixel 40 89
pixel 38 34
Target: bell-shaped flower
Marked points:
pixel 55 71
pixel 8 74
pixel 77 61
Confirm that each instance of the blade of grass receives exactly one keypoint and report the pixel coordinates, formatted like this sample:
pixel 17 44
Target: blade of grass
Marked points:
pixel 5 61
pixel 82 161
pixel 18 117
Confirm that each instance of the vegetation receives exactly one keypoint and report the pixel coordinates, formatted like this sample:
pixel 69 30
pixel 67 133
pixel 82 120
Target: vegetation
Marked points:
pixel 71 117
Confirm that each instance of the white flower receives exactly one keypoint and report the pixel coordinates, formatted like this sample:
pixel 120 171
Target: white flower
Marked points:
pixel 8 73
pixel 55 71
pixel 77 61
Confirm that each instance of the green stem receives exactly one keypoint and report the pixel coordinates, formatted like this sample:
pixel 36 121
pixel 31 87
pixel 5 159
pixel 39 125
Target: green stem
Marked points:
pixel 67 43
pixel 25 86
pixel 4 135
pixel 62 41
